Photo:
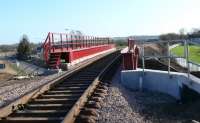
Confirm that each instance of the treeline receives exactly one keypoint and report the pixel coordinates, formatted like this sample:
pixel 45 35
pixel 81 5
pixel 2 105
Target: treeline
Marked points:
pixel 8 48
pixel 182 35
pixel 121 43
pixel 24 48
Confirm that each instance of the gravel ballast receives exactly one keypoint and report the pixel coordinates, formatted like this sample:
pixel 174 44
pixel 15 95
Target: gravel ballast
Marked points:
pixel 13 91
pixel 125 106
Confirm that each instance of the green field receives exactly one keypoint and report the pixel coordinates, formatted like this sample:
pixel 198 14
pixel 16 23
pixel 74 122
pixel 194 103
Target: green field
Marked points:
pixel 194 52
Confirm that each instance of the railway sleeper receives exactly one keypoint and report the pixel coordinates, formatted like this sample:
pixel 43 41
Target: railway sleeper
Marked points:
pixel 90 72
pixel 32 120
pixel 89 111
pixel 102 95
pixel 39 113
pixel 101 91
pixel 66 92
pixel 97 99
pixel 86 74
pixel 74 82
pixel 93 104
pixel 74 85
pixel 70 88
pixel 83 79
pixel 58 96
pixel 53 101
pixel 102 87
pixel 85 119
pixel 49 106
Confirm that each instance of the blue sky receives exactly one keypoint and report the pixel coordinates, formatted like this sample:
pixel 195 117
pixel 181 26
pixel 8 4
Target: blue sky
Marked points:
pixel 95 17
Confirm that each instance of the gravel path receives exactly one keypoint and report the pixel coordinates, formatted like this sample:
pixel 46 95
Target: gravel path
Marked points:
pixel 125 106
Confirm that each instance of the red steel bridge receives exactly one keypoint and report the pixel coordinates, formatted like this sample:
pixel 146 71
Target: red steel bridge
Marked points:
pixel 71 48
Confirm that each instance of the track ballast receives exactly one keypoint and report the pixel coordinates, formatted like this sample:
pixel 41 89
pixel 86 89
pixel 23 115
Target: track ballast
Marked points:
pixel 53 105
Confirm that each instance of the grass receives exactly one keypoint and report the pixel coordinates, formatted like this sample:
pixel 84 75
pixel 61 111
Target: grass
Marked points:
pixel 194 52
pixel 18 70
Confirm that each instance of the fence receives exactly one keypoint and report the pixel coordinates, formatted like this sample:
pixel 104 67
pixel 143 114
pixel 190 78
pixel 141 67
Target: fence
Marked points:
pixel 183 62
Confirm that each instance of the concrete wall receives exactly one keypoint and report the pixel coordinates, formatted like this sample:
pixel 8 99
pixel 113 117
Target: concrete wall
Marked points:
pixel 130 78
pixel 160 81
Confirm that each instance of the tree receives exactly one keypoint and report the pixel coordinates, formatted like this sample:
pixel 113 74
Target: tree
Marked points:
pixel 195 33
pixel 169 36
pixel 24 48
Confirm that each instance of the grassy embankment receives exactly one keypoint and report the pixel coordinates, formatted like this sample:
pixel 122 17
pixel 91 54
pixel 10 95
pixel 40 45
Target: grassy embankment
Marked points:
pixel 194 52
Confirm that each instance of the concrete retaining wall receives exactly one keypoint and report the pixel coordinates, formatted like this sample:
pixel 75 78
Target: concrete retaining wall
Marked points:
pixel 160 81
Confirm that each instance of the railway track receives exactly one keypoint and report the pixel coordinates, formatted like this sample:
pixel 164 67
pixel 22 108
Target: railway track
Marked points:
pixel 60 101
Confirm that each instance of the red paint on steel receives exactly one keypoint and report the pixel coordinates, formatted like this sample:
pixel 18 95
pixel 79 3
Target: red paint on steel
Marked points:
pixel 72 46
pixel 128 61
pixel 130 58
pixel 77 54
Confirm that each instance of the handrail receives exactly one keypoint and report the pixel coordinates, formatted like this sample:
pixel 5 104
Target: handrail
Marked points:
pixel 46 48
pixel 46 39
pixel 73 37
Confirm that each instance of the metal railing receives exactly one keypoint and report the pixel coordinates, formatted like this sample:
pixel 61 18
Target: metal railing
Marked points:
pixel 168 55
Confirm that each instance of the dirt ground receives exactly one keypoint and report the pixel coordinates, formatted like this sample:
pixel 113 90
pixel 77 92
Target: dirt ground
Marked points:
pixel 7 72
pixel 4 76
